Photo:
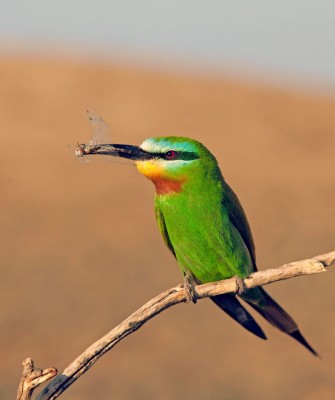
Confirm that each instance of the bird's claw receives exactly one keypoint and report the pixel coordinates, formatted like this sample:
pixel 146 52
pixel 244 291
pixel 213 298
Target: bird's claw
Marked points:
pixel 240 285
pixel 189 287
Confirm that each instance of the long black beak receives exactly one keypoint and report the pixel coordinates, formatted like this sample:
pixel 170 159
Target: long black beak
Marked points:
pixel 119 150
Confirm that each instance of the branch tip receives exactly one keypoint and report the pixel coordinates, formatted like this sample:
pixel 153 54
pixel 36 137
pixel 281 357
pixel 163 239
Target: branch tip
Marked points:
pixel 32 378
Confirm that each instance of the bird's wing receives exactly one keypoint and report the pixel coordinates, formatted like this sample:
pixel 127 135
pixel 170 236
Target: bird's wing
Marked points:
pixel 257 297
pixel 238 218
pixel 163 230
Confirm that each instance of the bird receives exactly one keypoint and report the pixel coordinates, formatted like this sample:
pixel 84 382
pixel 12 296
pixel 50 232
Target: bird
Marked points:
pixel 203 224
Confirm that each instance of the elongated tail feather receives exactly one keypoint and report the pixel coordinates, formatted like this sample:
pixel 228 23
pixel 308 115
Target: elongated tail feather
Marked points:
pixel 277 316
pixel 230 304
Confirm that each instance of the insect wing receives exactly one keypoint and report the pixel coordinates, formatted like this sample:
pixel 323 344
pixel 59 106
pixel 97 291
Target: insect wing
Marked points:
pixel 101 132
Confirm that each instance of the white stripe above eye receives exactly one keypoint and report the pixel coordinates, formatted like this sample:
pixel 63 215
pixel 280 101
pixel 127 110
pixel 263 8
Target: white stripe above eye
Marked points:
pixel 152 147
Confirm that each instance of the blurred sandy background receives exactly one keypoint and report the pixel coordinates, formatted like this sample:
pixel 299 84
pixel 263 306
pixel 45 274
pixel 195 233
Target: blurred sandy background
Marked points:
pixel 80 249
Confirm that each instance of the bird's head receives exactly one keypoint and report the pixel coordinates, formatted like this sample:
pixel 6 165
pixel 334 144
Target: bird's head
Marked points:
pixel 171 162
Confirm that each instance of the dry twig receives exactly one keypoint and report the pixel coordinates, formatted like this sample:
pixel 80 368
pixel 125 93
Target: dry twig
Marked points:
pixel 155 306
pixel 32 378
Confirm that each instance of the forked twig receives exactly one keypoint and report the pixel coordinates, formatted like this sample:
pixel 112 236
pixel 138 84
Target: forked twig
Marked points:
pixel 31 378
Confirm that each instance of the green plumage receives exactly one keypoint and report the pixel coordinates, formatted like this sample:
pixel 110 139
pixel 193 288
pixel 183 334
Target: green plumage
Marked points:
pixel 206 229
pixel 204 224
pixel 197 227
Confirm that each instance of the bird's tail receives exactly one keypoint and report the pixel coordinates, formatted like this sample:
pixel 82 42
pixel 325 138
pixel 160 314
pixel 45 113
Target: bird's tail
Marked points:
pixel 230 304
pixel 272 312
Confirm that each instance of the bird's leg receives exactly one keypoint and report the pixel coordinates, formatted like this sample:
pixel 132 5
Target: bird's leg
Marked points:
pixel 240 285
pixel 189 287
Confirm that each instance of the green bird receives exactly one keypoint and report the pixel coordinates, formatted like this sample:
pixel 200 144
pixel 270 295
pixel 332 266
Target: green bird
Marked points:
pixel 203 224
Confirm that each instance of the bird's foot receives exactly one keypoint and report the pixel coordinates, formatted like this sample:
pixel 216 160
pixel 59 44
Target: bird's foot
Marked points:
pixel 189 287
pixel 240 285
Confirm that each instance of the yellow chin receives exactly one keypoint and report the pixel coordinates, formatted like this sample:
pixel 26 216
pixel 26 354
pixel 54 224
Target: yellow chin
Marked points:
pixel 150 168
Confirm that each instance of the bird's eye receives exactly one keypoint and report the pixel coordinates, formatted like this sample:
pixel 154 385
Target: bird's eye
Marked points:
pixel 171 155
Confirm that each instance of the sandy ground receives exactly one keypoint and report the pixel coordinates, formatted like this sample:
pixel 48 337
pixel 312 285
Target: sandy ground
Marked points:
pixel 80 249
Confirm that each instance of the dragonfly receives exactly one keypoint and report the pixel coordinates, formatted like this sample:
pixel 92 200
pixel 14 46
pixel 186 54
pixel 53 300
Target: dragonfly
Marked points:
pixel 100 132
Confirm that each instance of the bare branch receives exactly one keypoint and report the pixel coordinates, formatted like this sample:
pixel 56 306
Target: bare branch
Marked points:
pixel 168 299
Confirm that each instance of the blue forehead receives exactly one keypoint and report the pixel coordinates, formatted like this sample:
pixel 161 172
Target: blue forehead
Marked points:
pixel 163 144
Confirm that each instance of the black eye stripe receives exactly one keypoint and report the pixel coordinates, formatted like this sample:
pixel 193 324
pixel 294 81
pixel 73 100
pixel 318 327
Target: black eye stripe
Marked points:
pixel 177 155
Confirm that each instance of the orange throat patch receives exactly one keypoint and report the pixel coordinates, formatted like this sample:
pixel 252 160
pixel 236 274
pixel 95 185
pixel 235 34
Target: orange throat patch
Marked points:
pixel 167 186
